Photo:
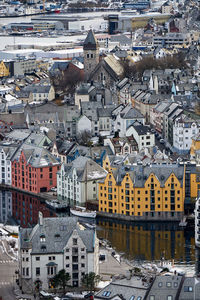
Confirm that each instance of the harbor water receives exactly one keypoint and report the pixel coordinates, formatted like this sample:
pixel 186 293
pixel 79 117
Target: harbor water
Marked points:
pixel 137 242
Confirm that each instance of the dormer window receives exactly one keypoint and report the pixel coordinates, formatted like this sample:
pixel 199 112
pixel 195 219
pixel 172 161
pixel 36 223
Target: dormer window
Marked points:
pixel 42 238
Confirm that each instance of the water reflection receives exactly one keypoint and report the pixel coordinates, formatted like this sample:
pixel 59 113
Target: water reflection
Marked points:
pixel 22 209
pixel 151 241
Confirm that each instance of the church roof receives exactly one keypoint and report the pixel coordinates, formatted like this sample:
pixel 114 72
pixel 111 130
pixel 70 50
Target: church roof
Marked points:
pixel 90 42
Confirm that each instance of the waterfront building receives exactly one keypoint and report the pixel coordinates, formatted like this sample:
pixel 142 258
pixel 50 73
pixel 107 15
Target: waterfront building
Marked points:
pixel 197 222
pixel 77 182
pixel 6 154
pixel 55 244
pixel 154 191
pixel 34 169
pixel 91 53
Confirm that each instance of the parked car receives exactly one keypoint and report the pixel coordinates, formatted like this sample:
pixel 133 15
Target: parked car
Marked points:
pixel 162 141
pixel 54 189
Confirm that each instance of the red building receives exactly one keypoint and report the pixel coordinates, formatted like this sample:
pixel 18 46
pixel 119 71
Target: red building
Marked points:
pixel 34 169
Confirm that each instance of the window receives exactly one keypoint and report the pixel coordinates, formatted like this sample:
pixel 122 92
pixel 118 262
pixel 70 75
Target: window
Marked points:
pixel 67 265
pixel 160 284
pixel 169 298
pixel 168 284
pixel 74 241
pixel 188 289
pixel 106 294
pixel 132 298
pixel 152 297
pixel 37 271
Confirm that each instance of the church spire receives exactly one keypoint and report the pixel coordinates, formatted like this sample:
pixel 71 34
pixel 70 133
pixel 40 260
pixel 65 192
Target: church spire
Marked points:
pixel 90 42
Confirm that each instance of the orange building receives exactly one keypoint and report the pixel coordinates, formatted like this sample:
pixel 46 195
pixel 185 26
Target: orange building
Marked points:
pixel 34 169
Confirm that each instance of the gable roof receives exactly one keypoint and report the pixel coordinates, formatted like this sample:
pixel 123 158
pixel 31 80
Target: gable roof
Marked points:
pixel 50 229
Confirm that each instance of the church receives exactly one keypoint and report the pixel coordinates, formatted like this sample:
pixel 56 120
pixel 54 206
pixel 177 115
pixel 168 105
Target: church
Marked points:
pixel 98 68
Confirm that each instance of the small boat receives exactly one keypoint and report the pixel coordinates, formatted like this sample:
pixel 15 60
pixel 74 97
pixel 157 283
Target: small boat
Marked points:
pixel 82 212
pixel 56 205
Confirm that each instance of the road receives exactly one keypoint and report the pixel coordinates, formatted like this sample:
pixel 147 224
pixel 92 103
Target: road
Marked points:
pixel 7 273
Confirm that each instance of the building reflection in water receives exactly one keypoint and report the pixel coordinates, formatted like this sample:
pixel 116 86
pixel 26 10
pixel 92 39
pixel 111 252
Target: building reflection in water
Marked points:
pixel 149 241
pixel 21 208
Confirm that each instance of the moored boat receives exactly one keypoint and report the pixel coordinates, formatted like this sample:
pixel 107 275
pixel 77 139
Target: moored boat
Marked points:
pixel 82 212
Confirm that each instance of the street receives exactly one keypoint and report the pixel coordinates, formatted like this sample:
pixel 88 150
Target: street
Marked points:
pixel 7 272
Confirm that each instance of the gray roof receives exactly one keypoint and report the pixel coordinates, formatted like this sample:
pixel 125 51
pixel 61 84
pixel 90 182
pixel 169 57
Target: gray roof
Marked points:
pixel 38 89
pixel 86 169
pixel 105 112
pixel 129 112
pixel 142 129
pixel 18 135
pixel 139 174
pixel 36 156
pixel 51 229
pixel 124 288
pixel 185 294
pixel 164 286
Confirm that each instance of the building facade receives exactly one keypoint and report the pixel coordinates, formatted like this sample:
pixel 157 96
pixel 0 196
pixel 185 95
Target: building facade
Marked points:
pixel 34 169
pixel 77 182
pixel 55 244
pixel 152 192
pixel 184 129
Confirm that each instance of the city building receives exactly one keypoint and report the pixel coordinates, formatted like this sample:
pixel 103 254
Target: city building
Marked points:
pixel 127 117
pixel 91 53
pixel 184 129
pixel 34 169
pixel 6 154
pixel 55 244
pixel 77 182
pixel 142 135
pixel 154 191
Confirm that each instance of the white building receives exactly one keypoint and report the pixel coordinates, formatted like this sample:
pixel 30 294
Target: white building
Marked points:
pixel 77 182
pixel 197 222
pixel 126 118
pixel 6 153
pixel 143 136
pixel 55 244
pixel 184 129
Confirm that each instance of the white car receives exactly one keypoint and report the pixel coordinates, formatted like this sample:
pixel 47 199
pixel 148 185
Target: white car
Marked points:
pixel 54 189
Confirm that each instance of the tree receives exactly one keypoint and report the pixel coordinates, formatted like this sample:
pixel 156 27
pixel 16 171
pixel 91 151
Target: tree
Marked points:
pixel 90 280
pixel 60 280
pixel 84 137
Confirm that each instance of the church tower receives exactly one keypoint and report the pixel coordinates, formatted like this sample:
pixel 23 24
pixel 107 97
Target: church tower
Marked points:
pixel 91 53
